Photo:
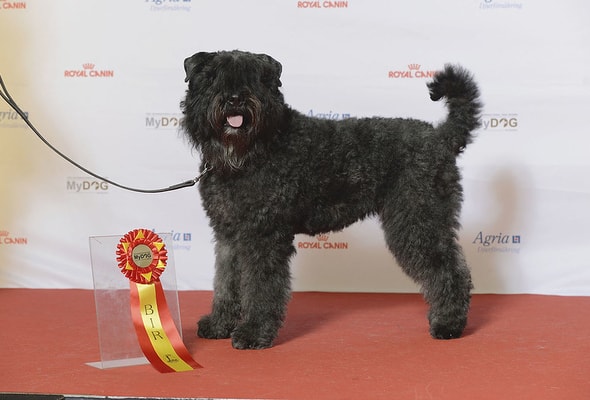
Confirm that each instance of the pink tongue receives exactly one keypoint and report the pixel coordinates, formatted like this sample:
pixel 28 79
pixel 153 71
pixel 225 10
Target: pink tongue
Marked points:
pixel 235 121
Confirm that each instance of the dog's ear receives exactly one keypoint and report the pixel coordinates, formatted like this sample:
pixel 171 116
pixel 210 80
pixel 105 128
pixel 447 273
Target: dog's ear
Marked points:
pixel 274 68
pixel 195 63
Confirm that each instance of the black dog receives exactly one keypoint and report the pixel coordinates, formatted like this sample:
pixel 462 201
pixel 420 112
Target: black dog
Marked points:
pixel 272 172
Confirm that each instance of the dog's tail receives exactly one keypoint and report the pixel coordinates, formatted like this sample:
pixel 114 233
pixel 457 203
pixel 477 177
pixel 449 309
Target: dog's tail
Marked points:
pixel 462 97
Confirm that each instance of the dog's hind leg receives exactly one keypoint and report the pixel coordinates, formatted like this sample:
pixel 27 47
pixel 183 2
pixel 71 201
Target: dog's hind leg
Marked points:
pixel 226 301
pixel 420 230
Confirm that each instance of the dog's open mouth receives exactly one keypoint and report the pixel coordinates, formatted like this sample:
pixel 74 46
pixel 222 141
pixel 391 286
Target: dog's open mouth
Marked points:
pixel 235 121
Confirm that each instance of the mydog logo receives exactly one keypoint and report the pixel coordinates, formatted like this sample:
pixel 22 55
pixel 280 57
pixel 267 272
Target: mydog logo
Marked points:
pixel 322 4
pixel 10 119
pixel 499 5
pixel 169 5
pixel 497 242
pixel 162 120
pixel 328 115
pixel 12 5
pixel 499 122
pixel 86 185
pixel 7 239
pixel 322 242
pixel 88 71
pixel 413 71
pixel 142 256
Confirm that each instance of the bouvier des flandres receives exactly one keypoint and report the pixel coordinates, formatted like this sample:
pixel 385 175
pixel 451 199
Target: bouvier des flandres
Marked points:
pixel 272 172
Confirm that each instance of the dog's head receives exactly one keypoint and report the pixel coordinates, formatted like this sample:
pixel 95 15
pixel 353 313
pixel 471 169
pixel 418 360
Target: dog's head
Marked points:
pixel 233 103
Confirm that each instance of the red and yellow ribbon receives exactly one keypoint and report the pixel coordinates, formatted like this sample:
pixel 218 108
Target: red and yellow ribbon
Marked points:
pixel 142 256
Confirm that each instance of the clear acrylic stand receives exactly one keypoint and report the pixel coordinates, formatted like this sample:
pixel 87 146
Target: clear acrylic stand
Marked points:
pixel 118 342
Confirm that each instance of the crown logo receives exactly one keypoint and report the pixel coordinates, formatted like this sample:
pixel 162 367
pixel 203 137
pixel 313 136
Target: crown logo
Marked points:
pixel 88 66
pixel 322 237
pixel 414 66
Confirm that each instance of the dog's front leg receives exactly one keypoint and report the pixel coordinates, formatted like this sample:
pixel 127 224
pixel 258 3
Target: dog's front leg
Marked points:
pixel 265 289
pixel 225 314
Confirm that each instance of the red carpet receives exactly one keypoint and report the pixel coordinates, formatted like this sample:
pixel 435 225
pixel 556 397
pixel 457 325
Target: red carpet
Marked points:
pixel 333 346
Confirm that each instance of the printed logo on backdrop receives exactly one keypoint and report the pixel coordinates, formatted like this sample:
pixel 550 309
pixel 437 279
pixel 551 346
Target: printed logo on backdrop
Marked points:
pixel 329 115
pixel 89 70
pixel 10 119
pixel 322 242
pixel 413 71
pixel 12 5
pixel 499 122
pixel 322 4
pixel 85 185
pixel 493 242
pixel 169 5
pixel 499 5
pixel 180 240
pixel 165 121
pixel 6 239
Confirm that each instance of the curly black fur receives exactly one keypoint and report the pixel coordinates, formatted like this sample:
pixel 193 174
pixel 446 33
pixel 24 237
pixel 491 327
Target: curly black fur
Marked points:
pixel 276 172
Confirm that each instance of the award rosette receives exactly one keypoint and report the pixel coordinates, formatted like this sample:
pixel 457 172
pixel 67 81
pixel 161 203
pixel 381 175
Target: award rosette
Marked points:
pixel 142 256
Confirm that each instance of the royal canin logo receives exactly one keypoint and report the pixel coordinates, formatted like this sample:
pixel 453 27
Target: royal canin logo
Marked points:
pixel 413 71
pixel 13 5
pixel 322 242
pixel 88 71
pixel 7 239
pixel 322 4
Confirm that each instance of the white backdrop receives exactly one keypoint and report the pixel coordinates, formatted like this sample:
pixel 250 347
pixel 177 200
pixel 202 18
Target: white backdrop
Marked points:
pixel 103 80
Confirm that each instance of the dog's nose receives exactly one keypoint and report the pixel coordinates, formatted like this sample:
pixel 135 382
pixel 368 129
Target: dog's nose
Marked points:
pixel 234 100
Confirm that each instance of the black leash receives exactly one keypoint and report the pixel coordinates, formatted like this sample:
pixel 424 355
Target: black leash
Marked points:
pixel 8 99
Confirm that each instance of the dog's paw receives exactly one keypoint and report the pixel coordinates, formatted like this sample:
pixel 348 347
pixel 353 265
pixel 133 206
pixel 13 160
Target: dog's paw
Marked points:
pixel 447 329
pixel 246 337
pixel 209 328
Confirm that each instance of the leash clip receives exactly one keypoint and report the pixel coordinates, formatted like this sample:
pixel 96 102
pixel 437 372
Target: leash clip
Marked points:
pixel 206 170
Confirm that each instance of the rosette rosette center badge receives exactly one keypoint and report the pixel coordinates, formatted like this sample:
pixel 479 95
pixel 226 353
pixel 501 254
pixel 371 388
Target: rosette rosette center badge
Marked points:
pixel 142 257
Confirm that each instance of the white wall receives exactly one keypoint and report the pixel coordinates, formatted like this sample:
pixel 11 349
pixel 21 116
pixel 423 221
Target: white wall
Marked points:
pixel 525 177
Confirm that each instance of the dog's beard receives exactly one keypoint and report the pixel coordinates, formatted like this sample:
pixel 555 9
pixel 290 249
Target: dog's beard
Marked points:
pixel 236 128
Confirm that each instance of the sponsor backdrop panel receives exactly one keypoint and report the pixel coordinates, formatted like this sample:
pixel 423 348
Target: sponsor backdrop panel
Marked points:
pixel 103 81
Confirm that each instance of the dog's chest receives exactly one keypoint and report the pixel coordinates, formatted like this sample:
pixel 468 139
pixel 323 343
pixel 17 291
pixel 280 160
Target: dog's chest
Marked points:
pixel 259 197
